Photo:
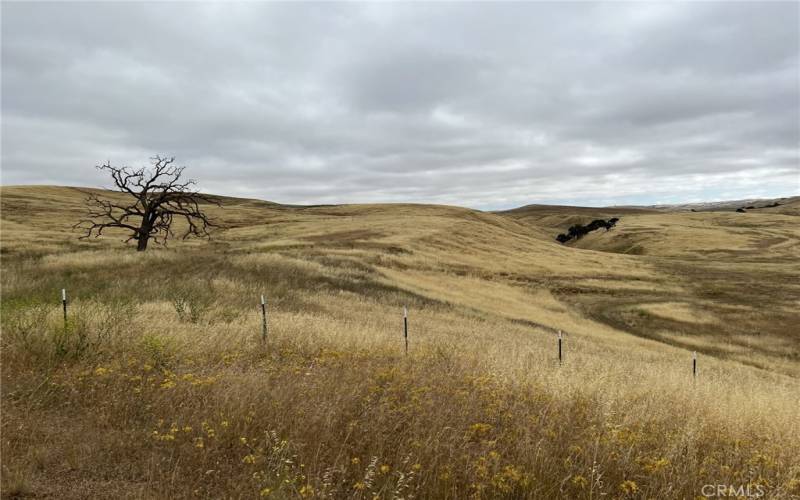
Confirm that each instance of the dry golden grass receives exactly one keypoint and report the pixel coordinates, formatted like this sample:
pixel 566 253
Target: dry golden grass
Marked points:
pixel 160 387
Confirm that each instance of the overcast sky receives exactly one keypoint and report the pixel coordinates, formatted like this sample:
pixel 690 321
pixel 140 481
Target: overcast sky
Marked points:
pixel 476 104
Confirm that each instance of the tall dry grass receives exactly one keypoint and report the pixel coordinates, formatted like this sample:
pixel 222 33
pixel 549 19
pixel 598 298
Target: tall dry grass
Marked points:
pixel 159 386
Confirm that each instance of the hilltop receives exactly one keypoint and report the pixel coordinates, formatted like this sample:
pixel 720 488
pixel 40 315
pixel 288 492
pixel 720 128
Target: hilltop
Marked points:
pixel 479 406
pixel 732 205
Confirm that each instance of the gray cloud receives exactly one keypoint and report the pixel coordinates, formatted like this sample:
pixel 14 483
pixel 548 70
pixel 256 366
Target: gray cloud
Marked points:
pixel 477 104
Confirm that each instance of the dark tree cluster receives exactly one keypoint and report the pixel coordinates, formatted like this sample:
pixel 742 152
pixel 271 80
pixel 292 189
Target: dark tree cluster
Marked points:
pixel 745 209
pixel 578 231
pixel 158 196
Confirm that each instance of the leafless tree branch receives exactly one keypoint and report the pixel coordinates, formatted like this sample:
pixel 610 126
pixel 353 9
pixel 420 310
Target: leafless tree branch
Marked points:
pixel 159 197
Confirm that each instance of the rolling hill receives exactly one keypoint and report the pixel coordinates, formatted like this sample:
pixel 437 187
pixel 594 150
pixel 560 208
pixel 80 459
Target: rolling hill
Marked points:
pixel 170 340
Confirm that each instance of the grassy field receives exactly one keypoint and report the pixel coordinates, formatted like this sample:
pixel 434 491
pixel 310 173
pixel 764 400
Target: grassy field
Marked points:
pixel 159 385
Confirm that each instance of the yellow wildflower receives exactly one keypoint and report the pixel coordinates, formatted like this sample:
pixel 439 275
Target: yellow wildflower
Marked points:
pixel 628 487
pixel 512 473
pixel 480 428
pixel 207 428
pixel 580 481
pixel 656 465
pixel 265 492
pixel 385 468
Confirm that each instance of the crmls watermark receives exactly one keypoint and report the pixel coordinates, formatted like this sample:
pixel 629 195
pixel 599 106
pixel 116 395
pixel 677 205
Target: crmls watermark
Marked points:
pixel 729 490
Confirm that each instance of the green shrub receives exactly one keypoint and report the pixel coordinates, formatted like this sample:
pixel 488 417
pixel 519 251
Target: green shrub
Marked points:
pixel 158 349
pixel 191 304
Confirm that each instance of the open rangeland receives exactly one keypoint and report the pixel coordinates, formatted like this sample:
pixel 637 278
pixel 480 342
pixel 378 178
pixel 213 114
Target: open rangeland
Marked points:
pixel 159 384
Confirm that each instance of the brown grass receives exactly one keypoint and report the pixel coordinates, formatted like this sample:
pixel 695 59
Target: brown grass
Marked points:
pixel 160 387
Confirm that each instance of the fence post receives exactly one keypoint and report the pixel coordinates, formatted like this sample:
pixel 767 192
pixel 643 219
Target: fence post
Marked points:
pixel 405 326
pixel 263 319
pixel 694 364
pixel 559 347
pixel 64 304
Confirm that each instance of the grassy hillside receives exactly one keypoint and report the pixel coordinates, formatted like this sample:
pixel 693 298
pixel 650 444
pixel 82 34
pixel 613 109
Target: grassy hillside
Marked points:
pixel 160 386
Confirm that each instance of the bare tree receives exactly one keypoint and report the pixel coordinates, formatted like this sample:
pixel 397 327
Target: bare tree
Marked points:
pixel 159 197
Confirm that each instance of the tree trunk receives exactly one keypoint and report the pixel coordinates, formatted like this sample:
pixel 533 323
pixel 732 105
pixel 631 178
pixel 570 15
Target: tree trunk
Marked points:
pixel 143 236
pixel 148 219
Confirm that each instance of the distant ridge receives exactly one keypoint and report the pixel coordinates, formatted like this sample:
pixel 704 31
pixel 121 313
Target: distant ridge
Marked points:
pixel 705 206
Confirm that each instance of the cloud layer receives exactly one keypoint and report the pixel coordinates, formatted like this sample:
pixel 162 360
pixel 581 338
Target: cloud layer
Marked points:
pixel 476 104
